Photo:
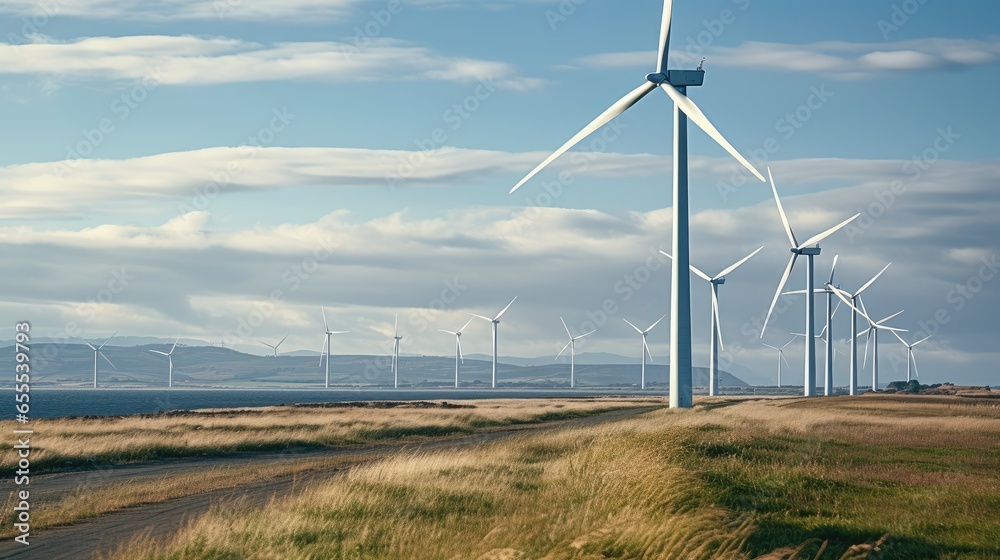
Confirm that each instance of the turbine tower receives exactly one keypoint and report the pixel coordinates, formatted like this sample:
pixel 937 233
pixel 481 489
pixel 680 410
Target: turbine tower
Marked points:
pixel 275 347
pixel 674 83
pixel 831 311
pixel 716 332
pixel 645 347
pixel 97 351
pixel 495 322
pixel 572 352
pixel 809 249
pixel 872 330
pixel 326 345
pixel 170 360
pixel 458 347
pixel 395 352
pixel 910 356
pixel 781 356
pixel 852 301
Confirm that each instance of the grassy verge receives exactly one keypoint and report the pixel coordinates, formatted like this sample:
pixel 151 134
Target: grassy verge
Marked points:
pixel 769 479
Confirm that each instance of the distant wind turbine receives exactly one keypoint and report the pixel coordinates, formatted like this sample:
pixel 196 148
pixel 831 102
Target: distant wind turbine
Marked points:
pixel 495 322
pixel 674 83
pixel 170 361
pixel 781 357
pixel 645 347
pixel 458 346
pixel 275 347
pixel 97 352
pixel 852 301
pixel 572 352
pixel 810 249
pixel 716 335
pixel 910 356
pixel 395 352
pixel 873 328
pixel 326 345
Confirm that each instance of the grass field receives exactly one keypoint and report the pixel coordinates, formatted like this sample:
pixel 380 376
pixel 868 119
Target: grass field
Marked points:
pixel 789 478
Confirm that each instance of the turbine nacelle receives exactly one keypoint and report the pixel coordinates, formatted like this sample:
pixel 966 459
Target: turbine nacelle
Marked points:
pixel 807 251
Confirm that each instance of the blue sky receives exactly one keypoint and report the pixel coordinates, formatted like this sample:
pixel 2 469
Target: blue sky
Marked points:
pixel 241 136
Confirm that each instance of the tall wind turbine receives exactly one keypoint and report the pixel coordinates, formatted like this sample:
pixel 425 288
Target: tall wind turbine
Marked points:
pixel 395 352
pixel 645 347
pixel 458 347
pixel 275 347
pixel 910 356
pixel 495 322
pixel 781 356
pixel 326 345
pixel 572 352
pixel 810 249
pixel 852 301
pixel 824 335
pixel 716 335
pixel 872 330
pixel 675 84
pixel 97 351
pixel 170 360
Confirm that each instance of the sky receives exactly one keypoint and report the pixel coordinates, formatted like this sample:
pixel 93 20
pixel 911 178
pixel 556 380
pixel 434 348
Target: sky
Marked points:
pixel 220 169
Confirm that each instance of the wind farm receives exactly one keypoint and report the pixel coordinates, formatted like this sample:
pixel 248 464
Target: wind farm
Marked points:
pixel 195 179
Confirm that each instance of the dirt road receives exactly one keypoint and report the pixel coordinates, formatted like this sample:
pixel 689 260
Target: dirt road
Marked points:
pixel 160 520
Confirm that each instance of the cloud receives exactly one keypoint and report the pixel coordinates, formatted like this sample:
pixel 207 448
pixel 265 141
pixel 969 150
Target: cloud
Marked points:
pixel 188 60
pixel 841 60
pixel 167 10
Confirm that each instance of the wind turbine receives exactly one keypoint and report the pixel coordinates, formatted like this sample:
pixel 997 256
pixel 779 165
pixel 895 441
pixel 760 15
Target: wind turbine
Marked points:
pixel 458 347
pixel 852 301
pixel 910 356
pixel 326 345
pixel 716 336
pixel 395 352
pixel 97 351
pixel 495 322
pixel 831 311
pixel 645 347
pixel 873 328
pixel 572 352
pixel 275 347
pixel 170 359
pixel 810 249
pixel 675 84
pixel 781 356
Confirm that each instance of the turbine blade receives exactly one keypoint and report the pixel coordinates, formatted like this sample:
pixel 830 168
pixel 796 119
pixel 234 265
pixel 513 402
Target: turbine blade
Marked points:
pixel 646 346
pixel 845 298
pixel 449 332
pixel 896 314
pixel 771 347
pixel 784 359
pixel 85 342
pixel 833 269
pixel 107 341
pixel 282 340
pixel 618 108
pixel 322 351
pixel 466 325
pixel 106 358
pixel 567 328
pixel 395 326
pixel 158 352
pixel 868 339
pixel 921 340
pixel 900 339
pixel 265 344
pixel 836 309
pixel 916 371
pixel 821 236
pixel 777 293
pixel 637 329
pixel 585 334
pixel 689 108
pixel 563 350
pixel 704 276
pixel 789 342
pixel 872 281
pixel 741 261
pixel 326 325
pixel 656 323
pixel 781 211
pixel 504 310
pixel 718 323
pixel 461 357
pixel 661 60
pixel 174 346
pixel 483 317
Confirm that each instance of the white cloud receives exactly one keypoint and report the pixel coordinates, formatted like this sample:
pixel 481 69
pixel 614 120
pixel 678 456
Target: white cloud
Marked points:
pixel 188 60
pixel 164 10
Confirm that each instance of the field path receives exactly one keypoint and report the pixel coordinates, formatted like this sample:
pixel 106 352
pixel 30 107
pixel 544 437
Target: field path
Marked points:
pixel 105 533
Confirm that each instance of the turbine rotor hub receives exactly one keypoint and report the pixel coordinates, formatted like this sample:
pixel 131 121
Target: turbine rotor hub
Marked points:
pixel 657 78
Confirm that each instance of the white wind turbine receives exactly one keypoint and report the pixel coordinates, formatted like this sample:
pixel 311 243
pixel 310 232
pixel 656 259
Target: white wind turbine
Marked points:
pixel 872 330
pixel 395 352
pixel 831 311
pixel 275 347
pixel 495 322
pixel 781 356
pixel 572 352
pixel 170 361
pixel 326 345
pixel 458 347
pixel 716 331
pixel 910 356
pixel 645 347
pixel 852 301
pixel 97 351
pixel 810 249
pixel 675 84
